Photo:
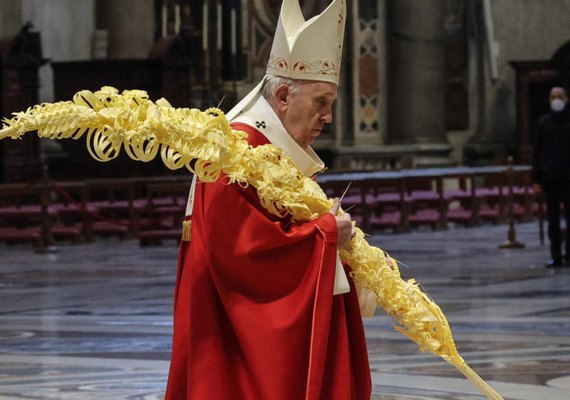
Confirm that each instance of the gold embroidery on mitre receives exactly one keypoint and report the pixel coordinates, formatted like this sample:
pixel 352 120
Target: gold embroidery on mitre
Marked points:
pixel 278 64
pixel 316 67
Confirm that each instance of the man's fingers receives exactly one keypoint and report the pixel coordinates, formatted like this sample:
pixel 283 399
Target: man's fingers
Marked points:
pixel 335 207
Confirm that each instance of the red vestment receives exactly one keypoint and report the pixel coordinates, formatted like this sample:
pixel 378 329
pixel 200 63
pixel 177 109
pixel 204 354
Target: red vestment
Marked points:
pixel 254 316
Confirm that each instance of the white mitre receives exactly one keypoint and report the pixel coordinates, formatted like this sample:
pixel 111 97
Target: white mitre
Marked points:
pixel 309 50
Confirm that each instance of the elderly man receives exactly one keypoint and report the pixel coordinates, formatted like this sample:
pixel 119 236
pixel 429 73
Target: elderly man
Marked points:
pixel 551 170
pixel 263 306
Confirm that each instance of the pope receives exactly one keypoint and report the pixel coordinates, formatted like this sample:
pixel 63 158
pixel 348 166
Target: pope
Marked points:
pixel 256 315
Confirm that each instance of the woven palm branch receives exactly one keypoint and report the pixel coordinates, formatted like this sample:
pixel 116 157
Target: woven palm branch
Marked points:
pixel 205 144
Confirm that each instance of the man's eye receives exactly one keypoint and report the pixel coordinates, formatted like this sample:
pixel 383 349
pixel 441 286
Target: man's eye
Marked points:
pixel 321 102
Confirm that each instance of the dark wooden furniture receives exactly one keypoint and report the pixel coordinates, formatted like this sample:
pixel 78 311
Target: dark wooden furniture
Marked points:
pixel 25 215
pixel 399 200
pixel 165 73
pixel 152 209
pixel 165 210
pixel 72 76
pixel 534 79
pixel 20 59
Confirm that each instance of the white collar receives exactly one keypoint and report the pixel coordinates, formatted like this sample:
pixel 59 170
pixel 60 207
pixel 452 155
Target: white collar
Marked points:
pixel 260 115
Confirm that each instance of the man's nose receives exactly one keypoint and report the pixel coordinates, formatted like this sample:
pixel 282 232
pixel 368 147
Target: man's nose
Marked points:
pixel 327 117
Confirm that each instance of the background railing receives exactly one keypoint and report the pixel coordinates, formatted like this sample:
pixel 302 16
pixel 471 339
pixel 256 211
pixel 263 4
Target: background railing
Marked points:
pixel 152 209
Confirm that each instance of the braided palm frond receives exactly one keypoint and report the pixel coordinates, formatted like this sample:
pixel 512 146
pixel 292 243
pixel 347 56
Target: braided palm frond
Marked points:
pixel 112 121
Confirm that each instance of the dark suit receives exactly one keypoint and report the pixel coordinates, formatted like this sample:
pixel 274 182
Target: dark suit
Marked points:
pixel 551 169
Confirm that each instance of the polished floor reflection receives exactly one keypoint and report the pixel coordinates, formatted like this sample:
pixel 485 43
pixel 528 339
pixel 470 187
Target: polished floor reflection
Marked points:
pixel 94 321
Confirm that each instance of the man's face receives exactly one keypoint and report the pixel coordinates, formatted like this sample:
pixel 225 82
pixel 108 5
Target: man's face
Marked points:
pixel 558 93
pixel 306 111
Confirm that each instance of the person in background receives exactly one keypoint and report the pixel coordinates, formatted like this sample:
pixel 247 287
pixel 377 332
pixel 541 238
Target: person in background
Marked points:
pixel 551 172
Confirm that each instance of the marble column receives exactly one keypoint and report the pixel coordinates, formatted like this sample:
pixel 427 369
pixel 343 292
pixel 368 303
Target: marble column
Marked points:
pixel 130 24
pixel 10 17
pixel 416 80
pixel 368 65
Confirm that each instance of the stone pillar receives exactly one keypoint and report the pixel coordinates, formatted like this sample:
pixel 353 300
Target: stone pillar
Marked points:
pixel 368 61
pixel 19 62
pixel 416 79
pixel 131 27
pixel 10 17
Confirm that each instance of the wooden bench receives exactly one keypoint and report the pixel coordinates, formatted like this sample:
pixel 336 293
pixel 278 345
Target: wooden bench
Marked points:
pixel 110 204
pixel 164 211
pixel 25 215
pixel 399 200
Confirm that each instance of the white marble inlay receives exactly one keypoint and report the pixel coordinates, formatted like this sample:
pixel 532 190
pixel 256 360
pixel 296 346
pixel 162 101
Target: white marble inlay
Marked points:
pixel 562 383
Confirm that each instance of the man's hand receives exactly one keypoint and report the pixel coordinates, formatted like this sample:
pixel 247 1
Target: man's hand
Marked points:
pixel 343 224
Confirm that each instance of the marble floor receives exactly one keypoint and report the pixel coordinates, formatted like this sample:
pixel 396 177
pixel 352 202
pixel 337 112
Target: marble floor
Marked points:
pixel 93 321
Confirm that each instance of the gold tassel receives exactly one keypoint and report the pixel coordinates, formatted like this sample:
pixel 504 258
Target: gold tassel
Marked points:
pixel 186 230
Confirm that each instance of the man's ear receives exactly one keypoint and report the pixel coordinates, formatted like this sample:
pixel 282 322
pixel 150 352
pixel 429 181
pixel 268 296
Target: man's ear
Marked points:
pixel 282 95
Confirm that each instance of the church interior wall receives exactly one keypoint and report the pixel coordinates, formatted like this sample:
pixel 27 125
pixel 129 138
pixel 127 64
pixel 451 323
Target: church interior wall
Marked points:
pixel 460 138
pixel 130 27
pixel 58 21
pixel 524 31
pixel 10 21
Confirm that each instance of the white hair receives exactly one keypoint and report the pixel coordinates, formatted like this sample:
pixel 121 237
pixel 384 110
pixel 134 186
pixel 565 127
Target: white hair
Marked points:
pixel 272 82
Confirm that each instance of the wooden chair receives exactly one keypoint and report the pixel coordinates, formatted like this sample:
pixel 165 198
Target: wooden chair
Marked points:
pixel 165 209
pixel 25 214
pixel 491 194
pixel 110 205
pixel 390 204
pixel 428 204
pixel 67 201
pixel 461 202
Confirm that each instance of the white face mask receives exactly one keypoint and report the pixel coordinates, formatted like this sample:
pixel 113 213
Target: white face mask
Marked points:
pixel 557 105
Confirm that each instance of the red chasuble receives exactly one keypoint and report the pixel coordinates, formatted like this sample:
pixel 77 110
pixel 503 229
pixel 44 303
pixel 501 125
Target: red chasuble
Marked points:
pixel 254 316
